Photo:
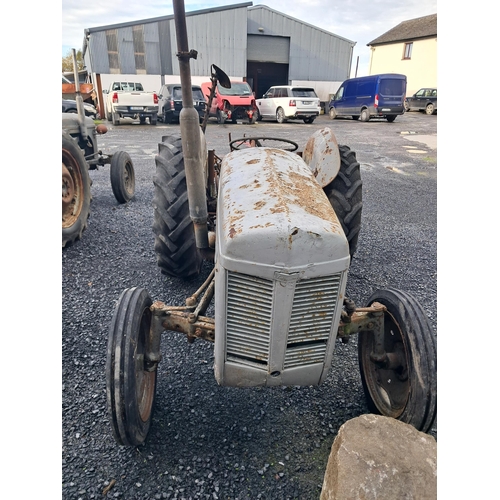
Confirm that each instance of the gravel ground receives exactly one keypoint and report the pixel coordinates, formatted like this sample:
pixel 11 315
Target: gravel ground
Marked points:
pixel 206 441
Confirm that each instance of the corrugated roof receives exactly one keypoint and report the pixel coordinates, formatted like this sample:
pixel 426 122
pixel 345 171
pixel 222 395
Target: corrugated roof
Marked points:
pixel 421 27
pixel 168 17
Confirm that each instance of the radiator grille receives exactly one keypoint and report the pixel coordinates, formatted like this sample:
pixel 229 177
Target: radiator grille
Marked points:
pixel 313 309
pixel 249 317
pixel 249 312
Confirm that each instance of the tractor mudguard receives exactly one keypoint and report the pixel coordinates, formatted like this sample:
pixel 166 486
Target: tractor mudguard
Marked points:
pixel 322 155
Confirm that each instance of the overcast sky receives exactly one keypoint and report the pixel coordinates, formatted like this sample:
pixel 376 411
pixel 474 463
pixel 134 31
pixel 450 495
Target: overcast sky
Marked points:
pixel 360 21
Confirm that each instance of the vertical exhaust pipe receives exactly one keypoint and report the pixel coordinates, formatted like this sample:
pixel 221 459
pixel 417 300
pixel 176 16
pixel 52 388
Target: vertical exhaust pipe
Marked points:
pixel 78 97
pixel 191 134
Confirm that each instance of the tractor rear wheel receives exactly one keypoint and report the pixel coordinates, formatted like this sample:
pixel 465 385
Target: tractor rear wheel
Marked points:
pixel 130 389
pixel 345 195
pixel 404 387
pixel 175 244
pixel 76 195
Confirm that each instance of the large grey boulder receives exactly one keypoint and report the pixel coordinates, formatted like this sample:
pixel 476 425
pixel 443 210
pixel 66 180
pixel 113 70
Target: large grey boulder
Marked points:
pixel 375 457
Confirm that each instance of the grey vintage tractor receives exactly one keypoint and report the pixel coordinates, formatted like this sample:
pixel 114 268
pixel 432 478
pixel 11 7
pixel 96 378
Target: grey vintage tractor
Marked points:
pixel 80 153
pixel 280 229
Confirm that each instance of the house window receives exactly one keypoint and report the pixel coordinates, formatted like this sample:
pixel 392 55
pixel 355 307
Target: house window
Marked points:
pixel 408 48
pixel 139 51
pixel 111 42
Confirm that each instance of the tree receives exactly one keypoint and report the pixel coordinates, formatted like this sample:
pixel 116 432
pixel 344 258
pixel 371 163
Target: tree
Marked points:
pixel 67 61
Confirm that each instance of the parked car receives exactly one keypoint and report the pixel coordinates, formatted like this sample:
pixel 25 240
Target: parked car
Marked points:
pixel 375 96
pixel 170 102
pixel 130 100
pixel 234 103
pixel 289 102
pixel 69 106
pixel 423 100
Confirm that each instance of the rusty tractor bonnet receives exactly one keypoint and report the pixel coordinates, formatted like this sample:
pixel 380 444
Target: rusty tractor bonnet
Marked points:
pixel 277 310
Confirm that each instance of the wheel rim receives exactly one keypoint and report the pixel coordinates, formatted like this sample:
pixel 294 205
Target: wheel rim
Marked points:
pixel 332 113
pixel 72 189
pixel 129 178
pixel 389 387
pixel 279 115
pixel 144 380
pixel 429 109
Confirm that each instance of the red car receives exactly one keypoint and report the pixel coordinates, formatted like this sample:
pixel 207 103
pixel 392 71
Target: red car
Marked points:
pixel 235 103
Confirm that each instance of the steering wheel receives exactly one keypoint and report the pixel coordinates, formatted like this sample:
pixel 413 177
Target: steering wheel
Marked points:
pixel 238 144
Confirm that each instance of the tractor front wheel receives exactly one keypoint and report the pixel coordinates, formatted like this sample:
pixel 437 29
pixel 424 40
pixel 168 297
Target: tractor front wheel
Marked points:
pixel 122 177
pixel 345 195
pixel 175 244
pixel 130 389
pixel 404 385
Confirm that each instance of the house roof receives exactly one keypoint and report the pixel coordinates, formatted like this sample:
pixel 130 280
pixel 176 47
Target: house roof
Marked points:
pixel 421 27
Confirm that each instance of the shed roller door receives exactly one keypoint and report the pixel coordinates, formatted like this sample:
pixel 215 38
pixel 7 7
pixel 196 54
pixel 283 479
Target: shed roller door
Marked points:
pixel 263 48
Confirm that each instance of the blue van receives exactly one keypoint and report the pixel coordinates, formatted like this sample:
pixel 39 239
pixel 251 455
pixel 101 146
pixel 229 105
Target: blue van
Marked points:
pixel 375 96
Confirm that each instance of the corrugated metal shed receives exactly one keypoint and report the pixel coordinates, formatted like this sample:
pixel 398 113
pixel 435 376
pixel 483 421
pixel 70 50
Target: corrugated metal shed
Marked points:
pixel 226 36
pixel 218 34
pixel 315 54
pixel 219 37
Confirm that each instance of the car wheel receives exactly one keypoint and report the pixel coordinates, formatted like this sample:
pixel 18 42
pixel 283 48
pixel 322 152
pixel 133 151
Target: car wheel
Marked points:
pixel 429 109
pixel 407 106
pixel 332 113
pixel 280 115
pixel 391 118
pixel 364 116
pixel 220 119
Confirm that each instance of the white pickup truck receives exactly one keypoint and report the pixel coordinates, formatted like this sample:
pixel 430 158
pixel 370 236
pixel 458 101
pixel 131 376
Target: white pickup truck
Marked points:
pixel 130 100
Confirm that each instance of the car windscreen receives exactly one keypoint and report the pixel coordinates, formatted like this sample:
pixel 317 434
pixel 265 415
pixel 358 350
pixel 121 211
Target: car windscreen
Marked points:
pixel 303 93
pixel 198 95
pixel 237 88
pixel 392 86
